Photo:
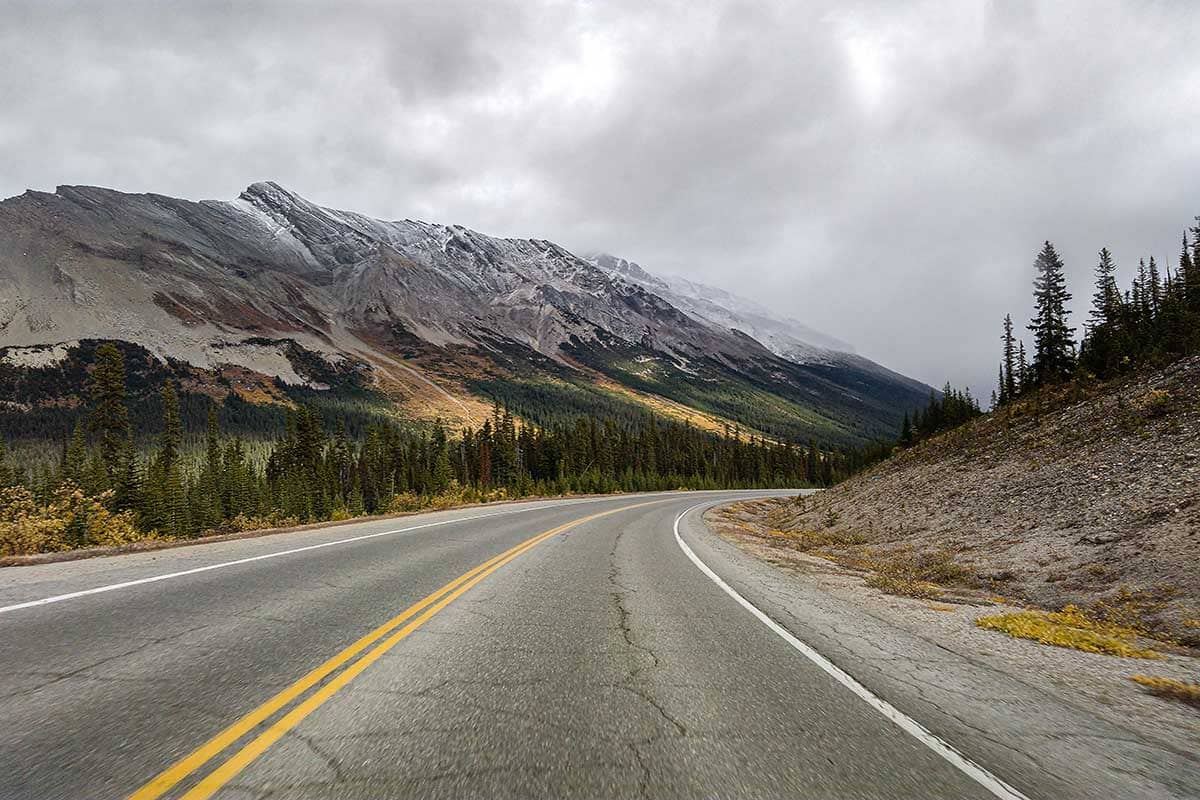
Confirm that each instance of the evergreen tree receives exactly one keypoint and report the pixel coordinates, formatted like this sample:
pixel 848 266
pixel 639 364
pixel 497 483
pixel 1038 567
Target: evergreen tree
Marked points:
pixel 906 432
pixel 211 503
pixel 1101 350
pixel 172 427
pixel 1107 298
pixel 1054 347
pixel 165 500
pixel 8 475
pixel 75 457
pixel 1008 376
pixel 1187 273
pixel 1155 289
pixel 110 419
pixel 1024 379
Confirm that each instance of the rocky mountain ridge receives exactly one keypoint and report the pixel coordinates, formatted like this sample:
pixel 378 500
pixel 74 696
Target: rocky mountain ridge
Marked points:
pixel 214 283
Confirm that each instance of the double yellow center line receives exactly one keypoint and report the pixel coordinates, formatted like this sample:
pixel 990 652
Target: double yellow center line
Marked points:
pixel 415 616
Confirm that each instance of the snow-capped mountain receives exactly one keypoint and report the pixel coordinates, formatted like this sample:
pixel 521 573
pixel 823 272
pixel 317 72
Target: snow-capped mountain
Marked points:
pixel 247 282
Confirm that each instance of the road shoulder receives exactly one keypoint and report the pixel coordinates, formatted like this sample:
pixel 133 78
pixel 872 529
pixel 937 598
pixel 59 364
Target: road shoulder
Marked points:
pixel 1049 721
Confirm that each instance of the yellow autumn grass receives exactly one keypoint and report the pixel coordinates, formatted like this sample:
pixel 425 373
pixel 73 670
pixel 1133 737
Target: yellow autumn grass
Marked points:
pixel 1071 628
pixel 1170 688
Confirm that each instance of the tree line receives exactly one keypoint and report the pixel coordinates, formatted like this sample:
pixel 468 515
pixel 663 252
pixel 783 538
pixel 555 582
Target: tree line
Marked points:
pixel 1152 322
pixel 1155 320
pixel 312 471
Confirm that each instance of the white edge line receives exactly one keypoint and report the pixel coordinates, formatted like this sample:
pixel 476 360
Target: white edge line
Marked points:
pixel 918 731
pixel 167 576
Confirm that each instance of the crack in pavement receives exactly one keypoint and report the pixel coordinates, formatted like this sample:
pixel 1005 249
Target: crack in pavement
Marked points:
pixel 331 761
pixel 617 594
pixel 63 676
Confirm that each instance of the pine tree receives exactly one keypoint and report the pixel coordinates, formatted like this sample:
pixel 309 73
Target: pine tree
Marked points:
pixel 1191 281
pixel 110 419
pixel 906 432
pixel 1155 289
pixel 75 459
pixel 172 433
pixel 165 505
pixel 1107 297
pixel 1024 379
pixel 213 488
pixel 1100 352
pixel 1008 378
pixel 1054 347
pixel 1187 269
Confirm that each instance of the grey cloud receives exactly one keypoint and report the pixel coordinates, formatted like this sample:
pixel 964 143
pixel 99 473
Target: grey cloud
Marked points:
pixel 881 171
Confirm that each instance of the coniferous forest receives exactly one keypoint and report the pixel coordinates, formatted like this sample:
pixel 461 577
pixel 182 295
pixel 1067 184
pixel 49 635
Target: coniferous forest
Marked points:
pixel 109 491
pixel 1153 322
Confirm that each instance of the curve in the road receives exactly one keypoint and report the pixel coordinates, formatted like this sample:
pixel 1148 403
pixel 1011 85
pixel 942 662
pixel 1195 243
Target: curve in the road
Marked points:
pixel 906 723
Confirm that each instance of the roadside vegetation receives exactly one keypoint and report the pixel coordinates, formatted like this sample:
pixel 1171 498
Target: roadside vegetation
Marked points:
pixel 1071 628
pixel 1170 688
pixel 105 491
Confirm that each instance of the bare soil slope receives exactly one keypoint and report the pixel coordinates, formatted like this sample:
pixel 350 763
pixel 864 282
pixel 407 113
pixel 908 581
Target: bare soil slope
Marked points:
pixel 1089 495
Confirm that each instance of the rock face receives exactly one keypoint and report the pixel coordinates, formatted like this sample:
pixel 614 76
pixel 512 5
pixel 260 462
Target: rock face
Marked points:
pixel 197 281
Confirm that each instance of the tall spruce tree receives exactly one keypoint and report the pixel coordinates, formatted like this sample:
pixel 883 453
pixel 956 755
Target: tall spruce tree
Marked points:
pixel 1100 351
pixel 167 500
pixel 1008 379
pixel 1155 288
pixel 1191 285
pixel 1107 297
pixel 1054 346
pixel 1024 380
pixel 110 420
pixel 210 504
pixel 1183 274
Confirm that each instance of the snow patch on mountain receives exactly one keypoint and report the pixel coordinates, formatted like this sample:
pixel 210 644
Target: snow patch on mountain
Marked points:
pixel 783 336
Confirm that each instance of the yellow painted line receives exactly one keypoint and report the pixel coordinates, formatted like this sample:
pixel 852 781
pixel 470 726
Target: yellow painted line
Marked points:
pixel 434 603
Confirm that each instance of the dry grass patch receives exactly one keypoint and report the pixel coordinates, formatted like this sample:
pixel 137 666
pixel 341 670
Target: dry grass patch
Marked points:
pixel 1071 628
pixel 1170 688
pixel 915 574
pixel 889 583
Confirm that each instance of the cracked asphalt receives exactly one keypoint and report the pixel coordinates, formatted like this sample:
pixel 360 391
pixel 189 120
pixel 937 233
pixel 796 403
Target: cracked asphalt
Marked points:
pixel 600 663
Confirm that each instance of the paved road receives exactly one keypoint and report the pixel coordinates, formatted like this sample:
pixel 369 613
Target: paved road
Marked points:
pixel 598 662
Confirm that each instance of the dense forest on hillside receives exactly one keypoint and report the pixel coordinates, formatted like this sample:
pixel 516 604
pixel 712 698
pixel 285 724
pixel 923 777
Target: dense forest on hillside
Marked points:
pixel 106 489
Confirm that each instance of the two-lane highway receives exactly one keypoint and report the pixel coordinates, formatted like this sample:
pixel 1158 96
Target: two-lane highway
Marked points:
pixel 561 648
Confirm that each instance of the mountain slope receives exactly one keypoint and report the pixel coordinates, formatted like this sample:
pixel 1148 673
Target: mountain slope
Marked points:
pixel 440 316
pixel 1085 494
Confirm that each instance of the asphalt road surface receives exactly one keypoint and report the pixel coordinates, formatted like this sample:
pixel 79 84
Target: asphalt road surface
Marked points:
pixel 556 649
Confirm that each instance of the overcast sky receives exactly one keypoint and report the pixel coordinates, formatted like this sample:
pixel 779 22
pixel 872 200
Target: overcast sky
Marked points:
pixel 884 174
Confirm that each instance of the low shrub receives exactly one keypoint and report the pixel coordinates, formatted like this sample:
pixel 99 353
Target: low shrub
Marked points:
pixel 69 520
pixel 1170 688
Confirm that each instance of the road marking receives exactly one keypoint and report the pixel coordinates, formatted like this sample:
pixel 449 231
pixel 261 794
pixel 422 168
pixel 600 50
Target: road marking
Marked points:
pixel 980 775
pixel 425 608
pixel 168 576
